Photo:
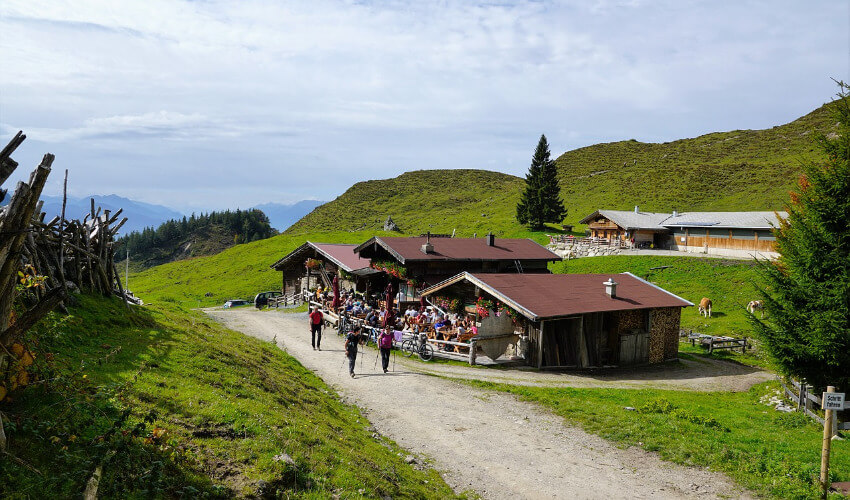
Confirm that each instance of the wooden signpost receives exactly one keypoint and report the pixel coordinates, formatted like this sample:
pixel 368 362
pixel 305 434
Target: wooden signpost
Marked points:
pixel 832 401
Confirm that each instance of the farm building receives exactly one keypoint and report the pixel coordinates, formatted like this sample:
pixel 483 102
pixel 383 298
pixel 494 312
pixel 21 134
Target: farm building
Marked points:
pixel 734 234
pixel 623 226
pixel 578 320
pixel 314 264
pixel 724 233
pixel 422 261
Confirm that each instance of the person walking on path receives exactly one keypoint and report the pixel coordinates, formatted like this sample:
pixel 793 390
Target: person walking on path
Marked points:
pixel 385 342
pixel 351 342
pixel 316 319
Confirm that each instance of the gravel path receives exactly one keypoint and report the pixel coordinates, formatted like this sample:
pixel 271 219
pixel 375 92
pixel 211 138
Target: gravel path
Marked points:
pixel 484 441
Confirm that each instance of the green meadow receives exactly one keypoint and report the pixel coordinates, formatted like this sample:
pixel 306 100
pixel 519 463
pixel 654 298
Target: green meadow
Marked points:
pixel 775 454
pixel 171 405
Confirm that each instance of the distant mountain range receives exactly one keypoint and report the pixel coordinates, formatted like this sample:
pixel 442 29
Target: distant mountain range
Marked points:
pixel 282 216
pixel 139 214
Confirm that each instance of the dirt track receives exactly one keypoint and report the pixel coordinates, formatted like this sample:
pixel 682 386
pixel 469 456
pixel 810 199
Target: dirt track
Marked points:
pixel 490 442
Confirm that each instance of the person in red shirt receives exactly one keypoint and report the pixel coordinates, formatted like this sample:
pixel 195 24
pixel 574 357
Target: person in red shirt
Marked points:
pixel 316 319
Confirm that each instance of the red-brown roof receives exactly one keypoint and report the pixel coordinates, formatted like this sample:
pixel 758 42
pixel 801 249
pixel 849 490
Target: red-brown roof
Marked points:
pixel 409 249
pixel 340 254
pixel 546 296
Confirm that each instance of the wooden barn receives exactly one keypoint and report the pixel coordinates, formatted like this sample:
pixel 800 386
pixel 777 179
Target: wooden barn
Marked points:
pixel 579 320
pixel 326 260
pixel 734 234
pixel 427 260
pixel 644 228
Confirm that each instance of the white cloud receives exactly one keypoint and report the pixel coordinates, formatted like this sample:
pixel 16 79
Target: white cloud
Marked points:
pixel 369 89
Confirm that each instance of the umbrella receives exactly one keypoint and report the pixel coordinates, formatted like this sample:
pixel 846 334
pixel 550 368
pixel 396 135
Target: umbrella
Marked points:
pixel 389 319
pixel 335 303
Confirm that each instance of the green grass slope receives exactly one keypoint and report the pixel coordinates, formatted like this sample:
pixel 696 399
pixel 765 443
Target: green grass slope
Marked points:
pixel 723 171
pixel 238 272
pixel 775 454
pixel 440 201
pixel 172 405
pixel 737 170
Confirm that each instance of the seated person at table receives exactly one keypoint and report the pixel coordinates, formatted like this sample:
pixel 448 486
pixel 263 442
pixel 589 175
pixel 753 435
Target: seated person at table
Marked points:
pixel 442 328
pixel 461 330
pixel 372 318
pixel 356 309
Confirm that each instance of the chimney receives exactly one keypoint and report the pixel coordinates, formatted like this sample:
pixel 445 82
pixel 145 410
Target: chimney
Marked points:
pixel 611 288
pixel 636 209
pixel 427 247
pixel 490 239
pixel 675 213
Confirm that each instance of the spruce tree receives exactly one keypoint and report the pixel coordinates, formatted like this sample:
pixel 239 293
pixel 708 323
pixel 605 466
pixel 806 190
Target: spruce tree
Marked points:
pixel 807 294
pixel 541 200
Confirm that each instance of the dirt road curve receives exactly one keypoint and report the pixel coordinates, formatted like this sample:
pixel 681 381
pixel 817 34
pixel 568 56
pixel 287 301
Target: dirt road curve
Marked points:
pixel 480 440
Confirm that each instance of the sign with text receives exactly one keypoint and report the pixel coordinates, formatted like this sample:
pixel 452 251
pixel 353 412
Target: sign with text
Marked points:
pixel 833 401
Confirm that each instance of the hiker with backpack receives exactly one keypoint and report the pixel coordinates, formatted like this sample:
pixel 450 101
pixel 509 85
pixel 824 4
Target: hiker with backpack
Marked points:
pixel 352 341
pixel 385 342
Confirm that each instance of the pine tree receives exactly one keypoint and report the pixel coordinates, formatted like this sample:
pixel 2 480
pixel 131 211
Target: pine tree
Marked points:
pixel 807 292
pixel 541 200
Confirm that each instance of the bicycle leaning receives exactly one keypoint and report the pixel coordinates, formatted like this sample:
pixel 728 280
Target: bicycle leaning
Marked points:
pixel 418 344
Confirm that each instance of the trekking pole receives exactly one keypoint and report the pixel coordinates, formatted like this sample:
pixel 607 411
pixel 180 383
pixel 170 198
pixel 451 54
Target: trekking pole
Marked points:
pixel 393 348
pixel 340 366
pixel 376 360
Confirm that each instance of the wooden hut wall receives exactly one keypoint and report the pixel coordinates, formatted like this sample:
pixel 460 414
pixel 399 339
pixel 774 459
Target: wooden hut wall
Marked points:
pixel 747 240
pixel 579 342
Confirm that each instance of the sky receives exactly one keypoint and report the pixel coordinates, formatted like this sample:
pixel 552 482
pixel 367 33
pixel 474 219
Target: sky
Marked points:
pixel 207 104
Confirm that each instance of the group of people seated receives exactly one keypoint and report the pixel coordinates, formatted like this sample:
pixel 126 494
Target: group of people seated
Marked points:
pixel 371 312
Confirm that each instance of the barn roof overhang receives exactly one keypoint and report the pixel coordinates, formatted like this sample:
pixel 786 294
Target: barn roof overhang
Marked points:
pixel 323 249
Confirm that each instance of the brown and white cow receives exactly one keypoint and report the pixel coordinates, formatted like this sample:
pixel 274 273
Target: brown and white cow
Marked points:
pixel 705 307
pixel 756 305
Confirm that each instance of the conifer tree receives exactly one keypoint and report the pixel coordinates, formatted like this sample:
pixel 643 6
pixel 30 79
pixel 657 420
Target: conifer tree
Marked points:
pixel 807 292
pixel 541 200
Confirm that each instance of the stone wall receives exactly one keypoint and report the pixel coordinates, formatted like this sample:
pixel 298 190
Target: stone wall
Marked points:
pixel 574 250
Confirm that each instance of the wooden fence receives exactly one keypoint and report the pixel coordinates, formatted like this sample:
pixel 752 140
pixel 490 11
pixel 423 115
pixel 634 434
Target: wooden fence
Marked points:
pixel 805 399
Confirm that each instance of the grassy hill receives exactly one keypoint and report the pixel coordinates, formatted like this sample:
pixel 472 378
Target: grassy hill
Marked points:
pixel 206 234
pixel 439 201
pixel 737 170
pixel 238 272
pixel 173 405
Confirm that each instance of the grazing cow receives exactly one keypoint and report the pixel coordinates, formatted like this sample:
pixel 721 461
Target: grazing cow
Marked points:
pixel 756 305
pixel 705 307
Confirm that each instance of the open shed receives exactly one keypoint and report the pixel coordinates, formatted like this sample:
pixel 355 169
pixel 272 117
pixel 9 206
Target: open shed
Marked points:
pixel 580 320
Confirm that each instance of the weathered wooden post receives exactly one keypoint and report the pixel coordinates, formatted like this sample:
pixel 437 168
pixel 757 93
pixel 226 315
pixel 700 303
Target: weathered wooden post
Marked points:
pixel 831 402
pixel 472 353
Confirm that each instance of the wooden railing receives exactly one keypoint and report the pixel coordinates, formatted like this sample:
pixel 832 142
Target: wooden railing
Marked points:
pixel 805 399
pixel 565 238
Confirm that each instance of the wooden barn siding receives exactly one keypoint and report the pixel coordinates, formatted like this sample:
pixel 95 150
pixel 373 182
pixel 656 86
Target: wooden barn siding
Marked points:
pixel 761 241
pixel 664 334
